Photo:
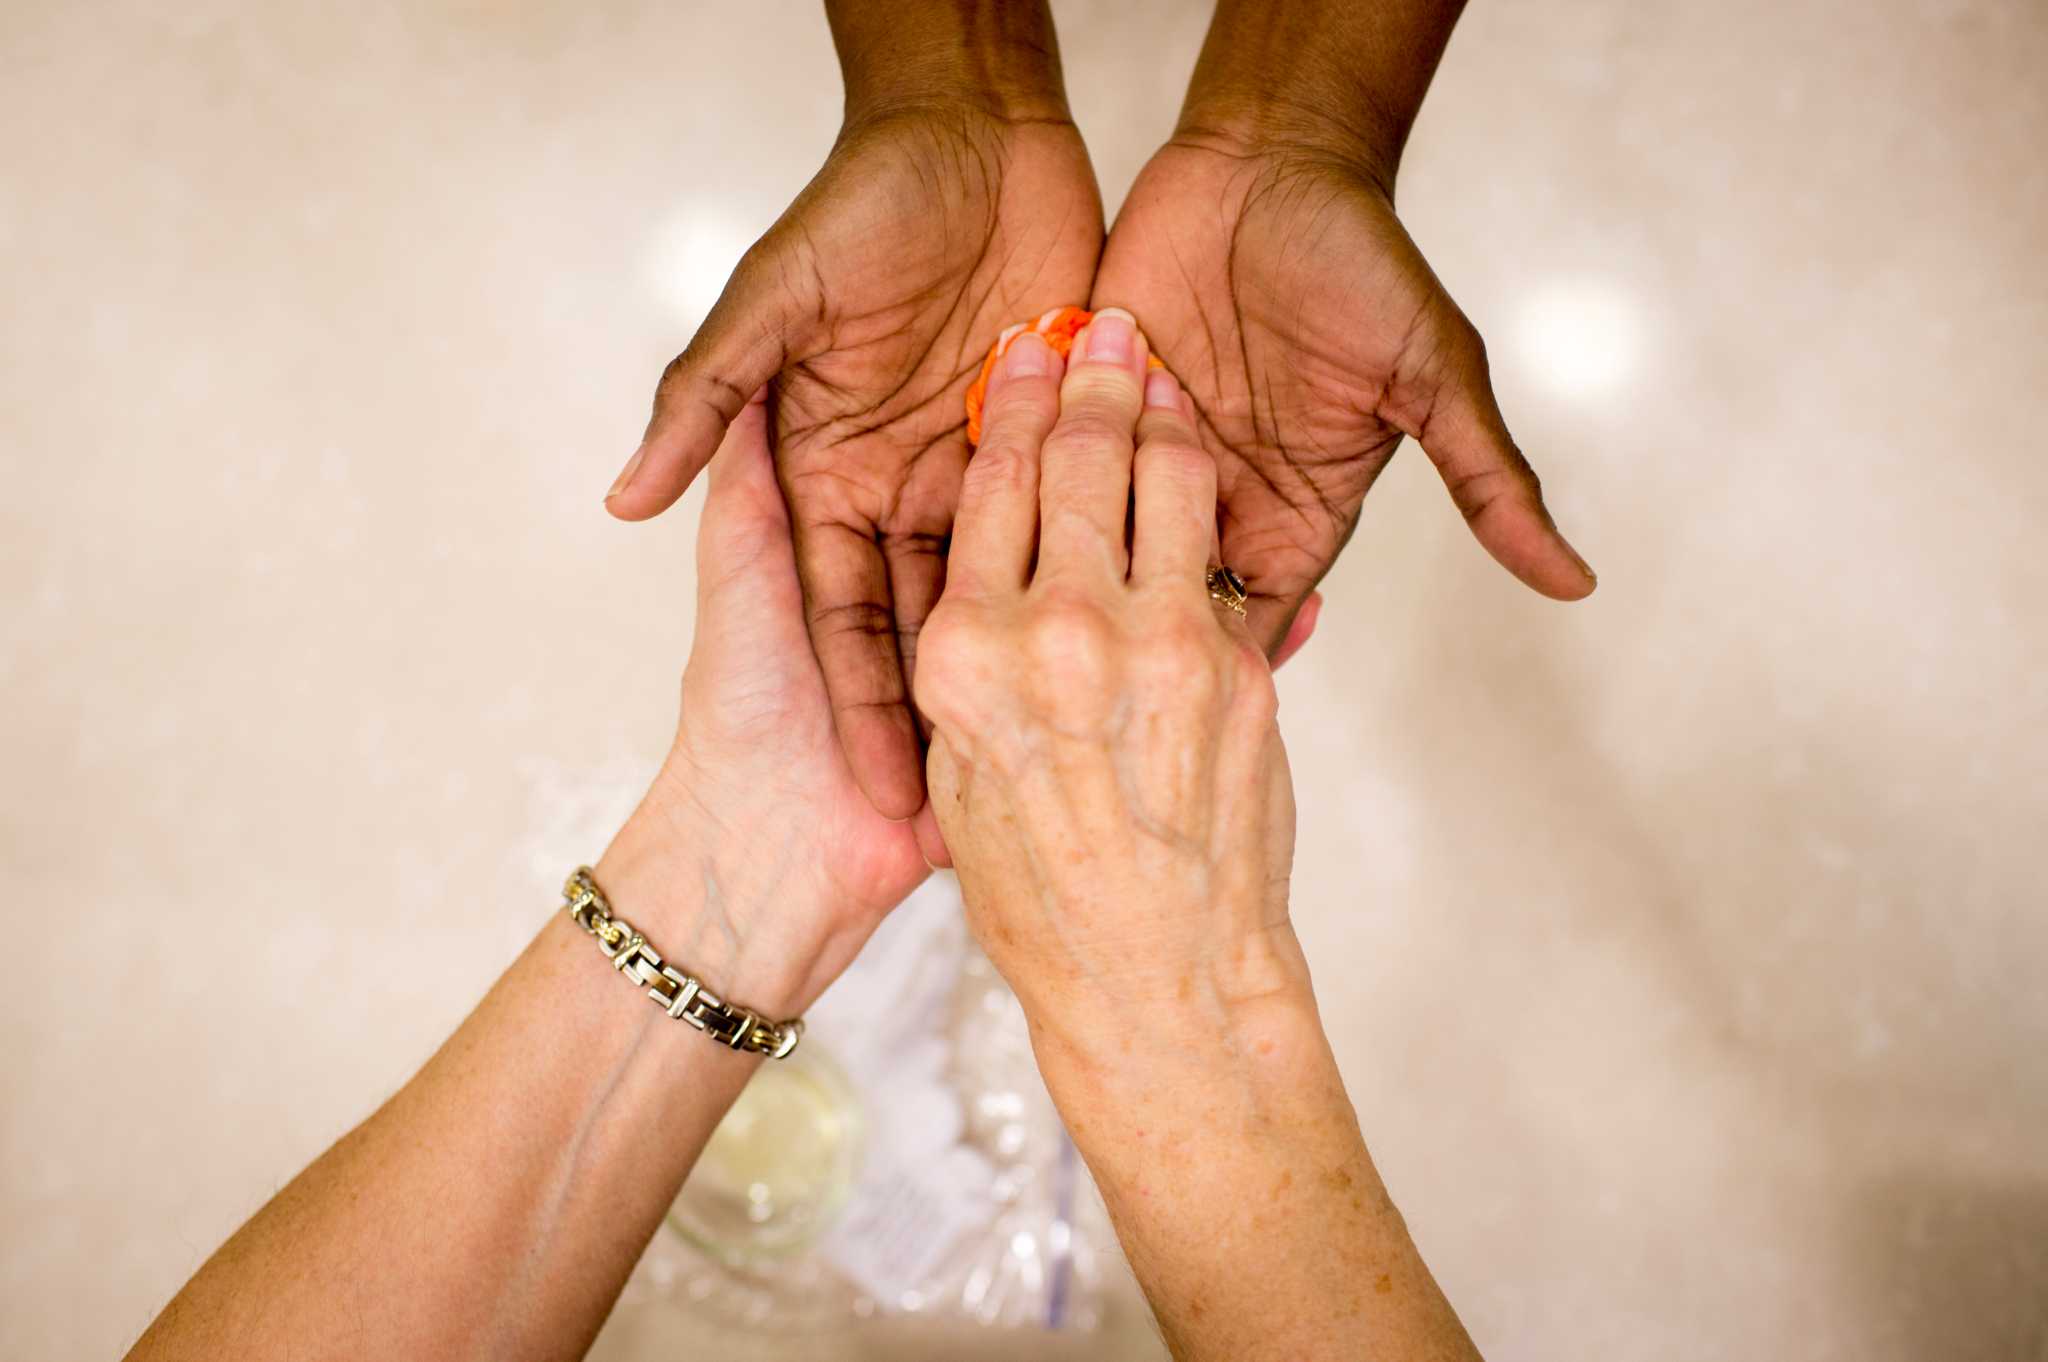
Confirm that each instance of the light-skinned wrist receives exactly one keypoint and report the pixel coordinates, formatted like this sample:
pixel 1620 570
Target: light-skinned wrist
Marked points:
pixel 1167 1016
pixel 1261 1050
pixel 728 899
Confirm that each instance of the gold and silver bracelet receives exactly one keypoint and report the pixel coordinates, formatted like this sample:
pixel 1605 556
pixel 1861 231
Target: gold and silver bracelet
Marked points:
pixel 682 996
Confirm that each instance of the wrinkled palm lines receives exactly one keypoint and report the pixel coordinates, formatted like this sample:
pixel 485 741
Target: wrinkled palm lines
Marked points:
pixel 1323 487
pixel 921 416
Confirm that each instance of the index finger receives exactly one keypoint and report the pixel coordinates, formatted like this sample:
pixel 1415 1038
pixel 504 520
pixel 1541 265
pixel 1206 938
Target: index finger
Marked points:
pixel 996 526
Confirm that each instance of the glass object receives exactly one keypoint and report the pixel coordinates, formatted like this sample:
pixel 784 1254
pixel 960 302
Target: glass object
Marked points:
pixel 778 1169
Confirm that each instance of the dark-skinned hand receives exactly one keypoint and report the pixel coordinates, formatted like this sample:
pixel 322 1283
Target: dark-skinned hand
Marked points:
pixel 1282 291
pixel 869 307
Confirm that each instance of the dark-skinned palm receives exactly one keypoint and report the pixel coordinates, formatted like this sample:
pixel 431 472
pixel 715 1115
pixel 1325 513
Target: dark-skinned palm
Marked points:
pixel 869 305
pixel 1284 293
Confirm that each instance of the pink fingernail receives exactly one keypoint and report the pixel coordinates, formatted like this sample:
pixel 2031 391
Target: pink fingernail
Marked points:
pixel 1028 357
pixel 1111 337
pixel 1161 391
pixel 626 473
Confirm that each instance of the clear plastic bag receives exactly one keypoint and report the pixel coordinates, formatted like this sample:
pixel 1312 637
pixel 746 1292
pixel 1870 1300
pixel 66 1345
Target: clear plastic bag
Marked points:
pixel 906 1160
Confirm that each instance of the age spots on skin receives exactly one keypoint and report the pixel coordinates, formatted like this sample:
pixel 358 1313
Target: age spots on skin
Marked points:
pixel 1384 1285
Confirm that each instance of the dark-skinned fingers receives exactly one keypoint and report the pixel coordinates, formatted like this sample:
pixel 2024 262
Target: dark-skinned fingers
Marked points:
pixel 743 343
pixel 917 576
pixel 853 632
pixel 1173 489
pixel 1300 630
pixel 996 528
pixel 1084 481
pixel 1269 617
pixel 1492 484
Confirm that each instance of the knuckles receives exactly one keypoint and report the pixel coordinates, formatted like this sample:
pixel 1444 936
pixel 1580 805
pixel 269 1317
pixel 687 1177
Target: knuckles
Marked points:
pixel 1004 678
pixel 1000 467
pixel 1174 456
pixel 1182 663
pixel 1071 642
pixel 672 374
pixel 1086 429
pixel 954 681
pixel 1115 386
pixel 1067 652
pixel 1185 468
pixel 1028 403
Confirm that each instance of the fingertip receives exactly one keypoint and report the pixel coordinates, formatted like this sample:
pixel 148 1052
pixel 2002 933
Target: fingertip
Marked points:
pixel 1026 355
pixel 1576 590
pixel 896 799
pixel 1300 630
pixel 1026 375
pixel 650 483
pixel 694 407
pixel 669 457
pixel 1112 337
pixel 1590 580
pixel 626 474
pixel 1517 529
pixel 931 842
pixel 1554 568
pixel 883 753
pixel 1162 392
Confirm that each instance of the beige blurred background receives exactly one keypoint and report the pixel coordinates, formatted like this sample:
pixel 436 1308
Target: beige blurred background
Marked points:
pixel 1684 950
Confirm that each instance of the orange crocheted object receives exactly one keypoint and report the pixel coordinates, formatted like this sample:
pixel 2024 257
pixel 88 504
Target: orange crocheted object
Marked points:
pixel 1058 327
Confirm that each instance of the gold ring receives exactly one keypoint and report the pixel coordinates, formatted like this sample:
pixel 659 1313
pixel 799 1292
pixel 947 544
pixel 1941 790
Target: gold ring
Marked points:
pixel 1227 589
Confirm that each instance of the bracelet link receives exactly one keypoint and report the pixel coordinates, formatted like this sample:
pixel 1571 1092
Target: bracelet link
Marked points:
pixel 675 998
pixel 639 962
pixel 677 993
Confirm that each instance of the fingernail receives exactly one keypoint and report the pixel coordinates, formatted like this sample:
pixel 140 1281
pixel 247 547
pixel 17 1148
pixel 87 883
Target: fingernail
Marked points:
pixel 1583 566
pixel 1028 357
pixel 1161 391
pixel 1112 337
pixel 626 473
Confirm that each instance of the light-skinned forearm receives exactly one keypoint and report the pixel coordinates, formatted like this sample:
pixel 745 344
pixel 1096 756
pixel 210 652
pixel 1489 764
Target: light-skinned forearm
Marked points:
pixel 1238 1181
pixel 495 1205
pixel 1330 77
